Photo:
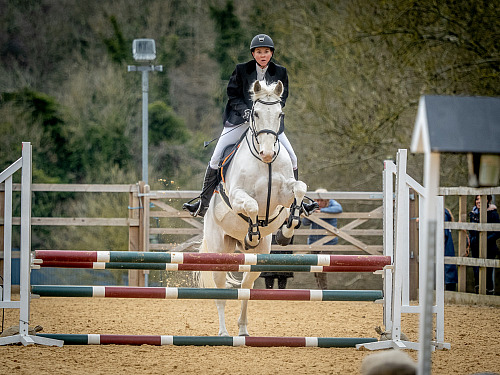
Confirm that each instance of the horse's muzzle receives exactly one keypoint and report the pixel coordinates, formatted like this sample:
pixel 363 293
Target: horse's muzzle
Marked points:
pixel 267 157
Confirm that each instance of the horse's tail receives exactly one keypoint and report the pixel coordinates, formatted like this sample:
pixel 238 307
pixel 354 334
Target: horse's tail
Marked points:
pixel 204 278
pixel 232 281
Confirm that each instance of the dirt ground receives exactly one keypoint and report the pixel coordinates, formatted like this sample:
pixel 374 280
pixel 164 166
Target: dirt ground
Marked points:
pixel 473 332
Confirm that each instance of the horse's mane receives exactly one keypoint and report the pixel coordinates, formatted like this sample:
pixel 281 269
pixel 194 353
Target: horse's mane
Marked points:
pixel 266 91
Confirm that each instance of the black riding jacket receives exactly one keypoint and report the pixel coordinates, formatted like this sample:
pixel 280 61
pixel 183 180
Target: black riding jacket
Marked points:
pixel 238 89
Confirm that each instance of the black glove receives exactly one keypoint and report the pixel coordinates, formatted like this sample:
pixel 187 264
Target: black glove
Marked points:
pixel 246 115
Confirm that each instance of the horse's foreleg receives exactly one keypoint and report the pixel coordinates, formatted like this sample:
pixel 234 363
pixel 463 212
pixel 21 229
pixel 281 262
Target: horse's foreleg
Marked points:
pixel 245 204
pixel 220 282
pixel 299 190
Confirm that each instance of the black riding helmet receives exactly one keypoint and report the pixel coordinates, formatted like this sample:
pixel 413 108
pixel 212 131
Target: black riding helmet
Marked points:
pixel 261 40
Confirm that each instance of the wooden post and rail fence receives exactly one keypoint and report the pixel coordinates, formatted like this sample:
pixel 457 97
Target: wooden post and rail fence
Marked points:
pixel 156 222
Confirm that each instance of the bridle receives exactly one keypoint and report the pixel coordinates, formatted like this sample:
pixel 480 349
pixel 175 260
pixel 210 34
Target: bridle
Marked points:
pixel 256 133
pixel 253 227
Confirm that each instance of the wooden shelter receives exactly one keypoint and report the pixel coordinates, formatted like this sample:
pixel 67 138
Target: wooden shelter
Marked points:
pixel 450 124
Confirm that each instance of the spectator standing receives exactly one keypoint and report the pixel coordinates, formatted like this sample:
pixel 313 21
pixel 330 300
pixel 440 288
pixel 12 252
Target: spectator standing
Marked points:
pixel 492 248
pixel 330 206
pixel 281 276
pixel 450 270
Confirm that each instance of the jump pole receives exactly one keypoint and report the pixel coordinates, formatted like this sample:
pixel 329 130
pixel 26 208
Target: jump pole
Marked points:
pixel 209 267
pixel 181 258
pixel 206 293
pixel 210 258
pixel 97 339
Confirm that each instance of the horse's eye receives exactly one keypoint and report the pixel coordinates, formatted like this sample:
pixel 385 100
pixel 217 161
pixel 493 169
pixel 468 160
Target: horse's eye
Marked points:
pixel 256 114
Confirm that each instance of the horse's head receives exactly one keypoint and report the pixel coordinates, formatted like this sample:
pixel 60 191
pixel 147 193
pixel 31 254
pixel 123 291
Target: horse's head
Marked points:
pixel 266 117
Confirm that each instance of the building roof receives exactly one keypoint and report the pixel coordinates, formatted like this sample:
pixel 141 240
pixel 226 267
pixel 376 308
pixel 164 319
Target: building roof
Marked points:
pixel 457 124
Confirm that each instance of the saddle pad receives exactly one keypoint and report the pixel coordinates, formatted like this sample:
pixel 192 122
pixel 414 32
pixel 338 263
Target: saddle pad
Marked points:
pixel 228 155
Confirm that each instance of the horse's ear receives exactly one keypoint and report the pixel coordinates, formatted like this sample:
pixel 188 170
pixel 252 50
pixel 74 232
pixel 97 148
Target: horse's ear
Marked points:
pixel 278 90
pixel 256 87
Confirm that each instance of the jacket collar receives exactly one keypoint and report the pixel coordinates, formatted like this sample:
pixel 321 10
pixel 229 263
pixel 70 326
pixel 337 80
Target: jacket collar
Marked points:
pixel 251 68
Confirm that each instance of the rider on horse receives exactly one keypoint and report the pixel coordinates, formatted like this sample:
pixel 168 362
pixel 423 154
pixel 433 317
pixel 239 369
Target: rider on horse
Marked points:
pixel 237 115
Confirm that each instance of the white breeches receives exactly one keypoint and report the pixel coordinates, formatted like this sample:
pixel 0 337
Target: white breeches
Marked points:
pixel 231 135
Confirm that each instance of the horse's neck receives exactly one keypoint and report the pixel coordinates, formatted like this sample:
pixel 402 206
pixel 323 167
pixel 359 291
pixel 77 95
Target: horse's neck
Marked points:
pixel 247 147
pixel 248 166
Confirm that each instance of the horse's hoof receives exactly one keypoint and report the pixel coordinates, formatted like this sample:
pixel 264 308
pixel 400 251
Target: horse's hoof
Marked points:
pixel 281 239
pixel 309 208
pixel 244 335
pixel 249 246
pixel 224 334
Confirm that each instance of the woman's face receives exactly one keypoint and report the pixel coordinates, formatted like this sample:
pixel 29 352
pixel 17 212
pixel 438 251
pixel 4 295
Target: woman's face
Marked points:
pixel 323 202
pixel 478 202
pixel 262 55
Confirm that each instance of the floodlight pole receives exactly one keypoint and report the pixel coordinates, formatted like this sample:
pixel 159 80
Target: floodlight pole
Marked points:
pixel 145 125
pixel 145 90
pixel 145 69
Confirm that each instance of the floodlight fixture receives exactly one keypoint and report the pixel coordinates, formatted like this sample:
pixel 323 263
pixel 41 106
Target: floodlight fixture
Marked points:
pixel 144 50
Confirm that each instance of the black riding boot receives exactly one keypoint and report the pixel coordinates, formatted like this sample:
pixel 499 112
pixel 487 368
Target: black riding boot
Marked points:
pixel 209 183
pixel 309 208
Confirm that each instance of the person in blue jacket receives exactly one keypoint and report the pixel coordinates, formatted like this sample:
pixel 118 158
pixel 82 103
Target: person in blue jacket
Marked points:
pixel 450 270
pixel 330 206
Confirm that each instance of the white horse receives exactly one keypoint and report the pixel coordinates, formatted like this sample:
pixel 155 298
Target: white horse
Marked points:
pixel 259 194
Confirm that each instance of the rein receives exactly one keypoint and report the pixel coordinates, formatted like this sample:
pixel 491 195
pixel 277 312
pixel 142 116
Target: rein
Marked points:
pixel 255 134
pixel 254 152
